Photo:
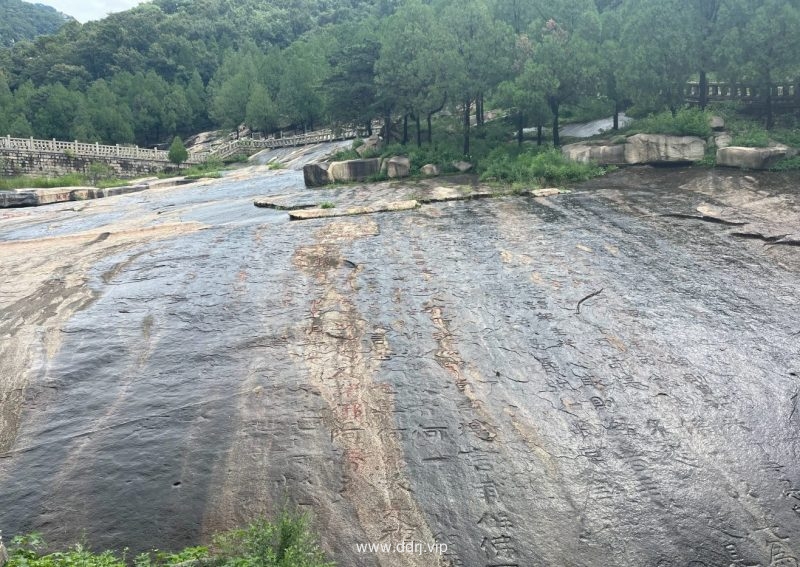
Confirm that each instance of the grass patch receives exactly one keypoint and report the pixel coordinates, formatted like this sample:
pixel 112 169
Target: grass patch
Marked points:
pixel 207 169
pixel 287 542
pixel 345 155
pixel 537 167
pixel 273 165
pixel 686 122
pixel 236 158
pixel 787 164
pixel 788 136
pixel 327 205
pixel 750 137
pixel 34 182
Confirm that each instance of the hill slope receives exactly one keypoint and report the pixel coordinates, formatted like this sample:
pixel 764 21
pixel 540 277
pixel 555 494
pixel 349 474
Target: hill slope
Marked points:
pixel 22 20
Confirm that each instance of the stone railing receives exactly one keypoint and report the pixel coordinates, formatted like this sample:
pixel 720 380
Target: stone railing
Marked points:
pixel 22 152
pixel 780 94
pixel 254 145
pixel 91 151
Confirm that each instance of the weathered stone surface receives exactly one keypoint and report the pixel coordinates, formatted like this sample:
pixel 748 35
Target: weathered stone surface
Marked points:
pixel 306 214
pixel 371 145
pixel 397 167
pixel 430 170
pixel 750 158
pixel 353 170
pixel 658 148
pixel 605 155
pixel 236 361
pixel 717 123
pixel 462 166
pixel 316 174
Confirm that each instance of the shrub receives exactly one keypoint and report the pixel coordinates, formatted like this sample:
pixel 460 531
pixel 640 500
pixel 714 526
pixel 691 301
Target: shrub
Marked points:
pixel 788 136
pixel 287 542
pixel 99 171
pixel 686 122
pixel 787 164
pixel 535 167
pixel 345 155
pixel 327 205
pixel 236 158
pixel 177 151
pixel 754 137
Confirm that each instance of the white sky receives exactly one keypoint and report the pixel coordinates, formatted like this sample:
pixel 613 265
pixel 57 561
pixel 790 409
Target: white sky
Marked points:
pixel 85 10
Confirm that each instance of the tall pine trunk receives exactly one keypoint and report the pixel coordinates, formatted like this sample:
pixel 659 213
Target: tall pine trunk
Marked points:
pixel 539 134
pixel 387 127
pixel 430 135
pixel 467 105
pixel 703 90
pixel 520 128
pixel 616 116
pixel 419 131
pixel 405 129
pixel 554 107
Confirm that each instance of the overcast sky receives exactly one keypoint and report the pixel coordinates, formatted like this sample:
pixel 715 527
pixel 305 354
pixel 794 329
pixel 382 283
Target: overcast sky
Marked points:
pixel 85 10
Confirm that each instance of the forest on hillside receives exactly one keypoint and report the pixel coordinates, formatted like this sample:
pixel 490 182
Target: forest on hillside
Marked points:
pixel 23 20
pixel 181 66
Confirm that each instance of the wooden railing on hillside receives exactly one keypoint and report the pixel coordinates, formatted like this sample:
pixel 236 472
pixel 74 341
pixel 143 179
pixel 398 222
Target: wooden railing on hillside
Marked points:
pixel 781 95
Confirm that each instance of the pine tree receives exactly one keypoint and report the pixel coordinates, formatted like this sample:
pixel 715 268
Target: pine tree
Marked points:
pixel 177 151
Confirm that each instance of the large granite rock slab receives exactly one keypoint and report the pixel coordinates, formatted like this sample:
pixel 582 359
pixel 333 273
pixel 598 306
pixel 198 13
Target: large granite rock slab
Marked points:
pixel 353 170
pixel 372 145
pixel 430 170
pixel 399 166
pixel 316 174
pixel 751 158
pixel 604 155
pixel 661 149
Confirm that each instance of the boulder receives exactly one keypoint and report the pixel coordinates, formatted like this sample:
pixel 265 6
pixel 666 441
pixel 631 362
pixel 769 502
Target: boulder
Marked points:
pixel 399 166
pixel 717 123
pixel 723 140
pixel 430 169
pixel 354 170
pixel 751 158
pixel 604 155
pixel 658 148
pixel 316 174
pixel 462 166
pixel 372 145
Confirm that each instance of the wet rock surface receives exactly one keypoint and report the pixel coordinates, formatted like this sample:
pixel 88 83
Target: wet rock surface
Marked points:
pixel 595 378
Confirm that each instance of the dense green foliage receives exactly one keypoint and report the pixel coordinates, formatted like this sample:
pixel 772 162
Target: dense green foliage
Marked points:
pixel 175 67
pixel 286 542
pixel 24 20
